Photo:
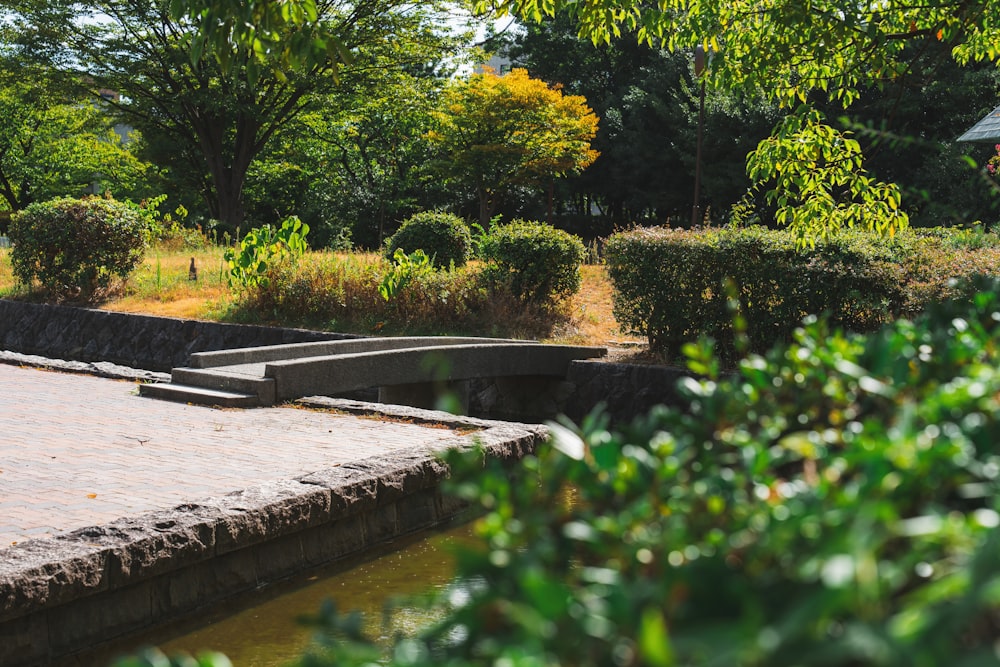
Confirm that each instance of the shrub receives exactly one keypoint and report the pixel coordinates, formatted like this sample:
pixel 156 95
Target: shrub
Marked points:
pixel 538 262
pixel 444 237
pixel 261 249
pixel 77 248
pixel 670 284
pixel 347 293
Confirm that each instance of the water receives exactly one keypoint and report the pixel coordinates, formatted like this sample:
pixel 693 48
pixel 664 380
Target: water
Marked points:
pixel 262 630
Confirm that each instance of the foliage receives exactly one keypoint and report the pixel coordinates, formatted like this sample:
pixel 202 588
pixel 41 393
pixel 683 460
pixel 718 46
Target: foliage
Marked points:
pixel 261 248
pixel 52 145
pixel 826 52
pixel 166 231
pixel 833 503
pixel 355 160
pixel 152 657
pixel 821 187
pixel 261 35
pixel 340 292
pixel 647 100
pixel 404 269
pixel 670 285
pixel 538 262
pixel 443 236
pixel 207 113
pixel 498 132
pixel 77 248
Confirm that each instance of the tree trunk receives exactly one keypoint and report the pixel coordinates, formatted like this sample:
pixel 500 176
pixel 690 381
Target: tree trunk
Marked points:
pixel 487 204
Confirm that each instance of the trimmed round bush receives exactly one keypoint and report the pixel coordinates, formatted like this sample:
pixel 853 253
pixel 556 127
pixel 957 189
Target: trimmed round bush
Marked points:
pixel 444 237
pixel 537 261
pixel 77 248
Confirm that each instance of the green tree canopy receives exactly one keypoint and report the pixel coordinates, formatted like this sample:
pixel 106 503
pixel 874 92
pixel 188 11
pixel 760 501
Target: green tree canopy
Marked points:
pixel 799 53
pixel 647 100
pixel 498 132
pixel 209 107
pixel 51 146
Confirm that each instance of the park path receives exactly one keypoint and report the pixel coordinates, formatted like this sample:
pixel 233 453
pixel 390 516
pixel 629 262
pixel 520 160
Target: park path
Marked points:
pixel 77 450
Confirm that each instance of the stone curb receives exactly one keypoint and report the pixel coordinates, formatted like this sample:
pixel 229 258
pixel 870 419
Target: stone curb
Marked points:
pixel 102 369
pixel 73 591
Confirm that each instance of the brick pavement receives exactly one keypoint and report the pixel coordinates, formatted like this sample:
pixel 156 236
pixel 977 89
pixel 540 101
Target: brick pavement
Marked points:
pixel 77 450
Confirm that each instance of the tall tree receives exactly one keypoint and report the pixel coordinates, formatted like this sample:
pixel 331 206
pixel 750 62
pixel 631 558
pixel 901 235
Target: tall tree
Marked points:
pixel 798 52
pixel 499 132
pixel 216 108
pixel 647 99
pixel 53 146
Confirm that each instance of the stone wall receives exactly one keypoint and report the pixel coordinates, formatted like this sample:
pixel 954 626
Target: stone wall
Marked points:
pixel 162 343
pixel 63 600
pixel 138 341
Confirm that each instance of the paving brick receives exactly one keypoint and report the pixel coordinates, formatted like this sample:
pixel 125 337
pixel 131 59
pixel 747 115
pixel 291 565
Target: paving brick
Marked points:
pixel 77 450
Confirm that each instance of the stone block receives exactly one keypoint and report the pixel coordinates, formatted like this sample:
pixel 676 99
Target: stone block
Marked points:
pixel 94 619
pixel 24 642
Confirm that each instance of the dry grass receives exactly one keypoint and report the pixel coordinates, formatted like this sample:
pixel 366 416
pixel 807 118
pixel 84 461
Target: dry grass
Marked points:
pixel 161 287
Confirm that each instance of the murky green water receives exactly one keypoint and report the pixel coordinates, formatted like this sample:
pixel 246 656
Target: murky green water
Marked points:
pixel 261 630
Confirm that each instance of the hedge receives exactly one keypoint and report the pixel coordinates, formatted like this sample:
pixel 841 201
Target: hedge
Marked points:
pixel 673 285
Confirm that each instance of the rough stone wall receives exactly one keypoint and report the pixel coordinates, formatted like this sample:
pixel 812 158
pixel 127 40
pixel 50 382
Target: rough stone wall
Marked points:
pixel 624 390
pixel 138 341
pixel 77 591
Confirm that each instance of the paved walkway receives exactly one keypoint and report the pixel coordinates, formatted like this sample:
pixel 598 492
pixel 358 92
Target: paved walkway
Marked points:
pixel 77 450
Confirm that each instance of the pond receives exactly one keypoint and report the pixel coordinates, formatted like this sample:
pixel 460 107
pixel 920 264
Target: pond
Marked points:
pixel 262 629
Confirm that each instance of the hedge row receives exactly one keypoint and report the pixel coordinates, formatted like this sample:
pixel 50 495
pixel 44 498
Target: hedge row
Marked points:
pixel 674 285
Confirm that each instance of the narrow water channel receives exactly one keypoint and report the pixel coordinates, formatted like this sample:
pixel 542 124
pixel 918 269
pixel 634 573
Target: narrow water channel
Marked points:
pixel 262 629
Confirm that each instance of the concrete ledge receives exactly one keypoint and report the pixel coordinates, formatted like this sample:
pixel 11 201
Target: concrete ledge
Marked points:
pixel 266 353
pixel 70 593
pixel 348 372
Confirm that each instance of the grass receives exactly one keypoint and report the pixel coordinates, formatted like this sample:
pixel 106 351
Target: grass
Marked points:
pixel 160 286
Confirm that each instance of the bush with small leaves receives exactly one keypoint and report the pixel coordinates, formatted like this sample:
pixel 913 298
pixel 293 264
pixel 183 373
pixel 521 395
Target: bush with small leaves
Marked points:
pixel 444 237
pixel 669 283
pixel 537 261
pixel 78 249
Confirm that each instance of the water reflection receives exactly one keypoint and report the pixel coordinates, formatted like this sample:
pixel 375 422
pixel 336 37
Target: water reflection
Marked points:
pixel 263 631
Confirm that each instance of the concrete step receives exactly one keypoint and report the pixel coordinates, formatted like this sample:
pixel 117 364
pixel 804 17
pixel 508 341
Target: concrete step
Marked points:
pixel 237 379
pixel 182 393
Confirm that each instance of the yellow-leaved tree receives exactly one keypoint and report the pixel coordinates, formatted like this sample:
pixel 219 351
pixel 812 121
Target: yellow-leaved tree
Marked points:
pixel 500 132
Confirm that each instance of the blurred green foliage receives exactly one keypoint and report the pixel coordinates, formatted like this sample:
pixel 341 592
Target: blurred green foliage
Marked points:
pixel 832 503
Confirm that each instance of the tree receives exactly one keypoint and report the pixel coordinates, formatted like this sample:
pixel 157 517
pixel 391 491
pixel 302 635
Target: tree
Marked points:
pixel 799 53
pixel 52 146
pixel 367 147
pixel 499 132
pixel 647 100
pixel 215 109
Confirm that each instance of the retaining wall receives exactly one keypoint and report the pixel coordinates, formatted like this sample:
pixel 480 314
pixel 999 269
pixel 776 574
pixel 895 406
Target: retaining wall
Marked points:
pixel 139 341
pixel 162 343
pixel 63 599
